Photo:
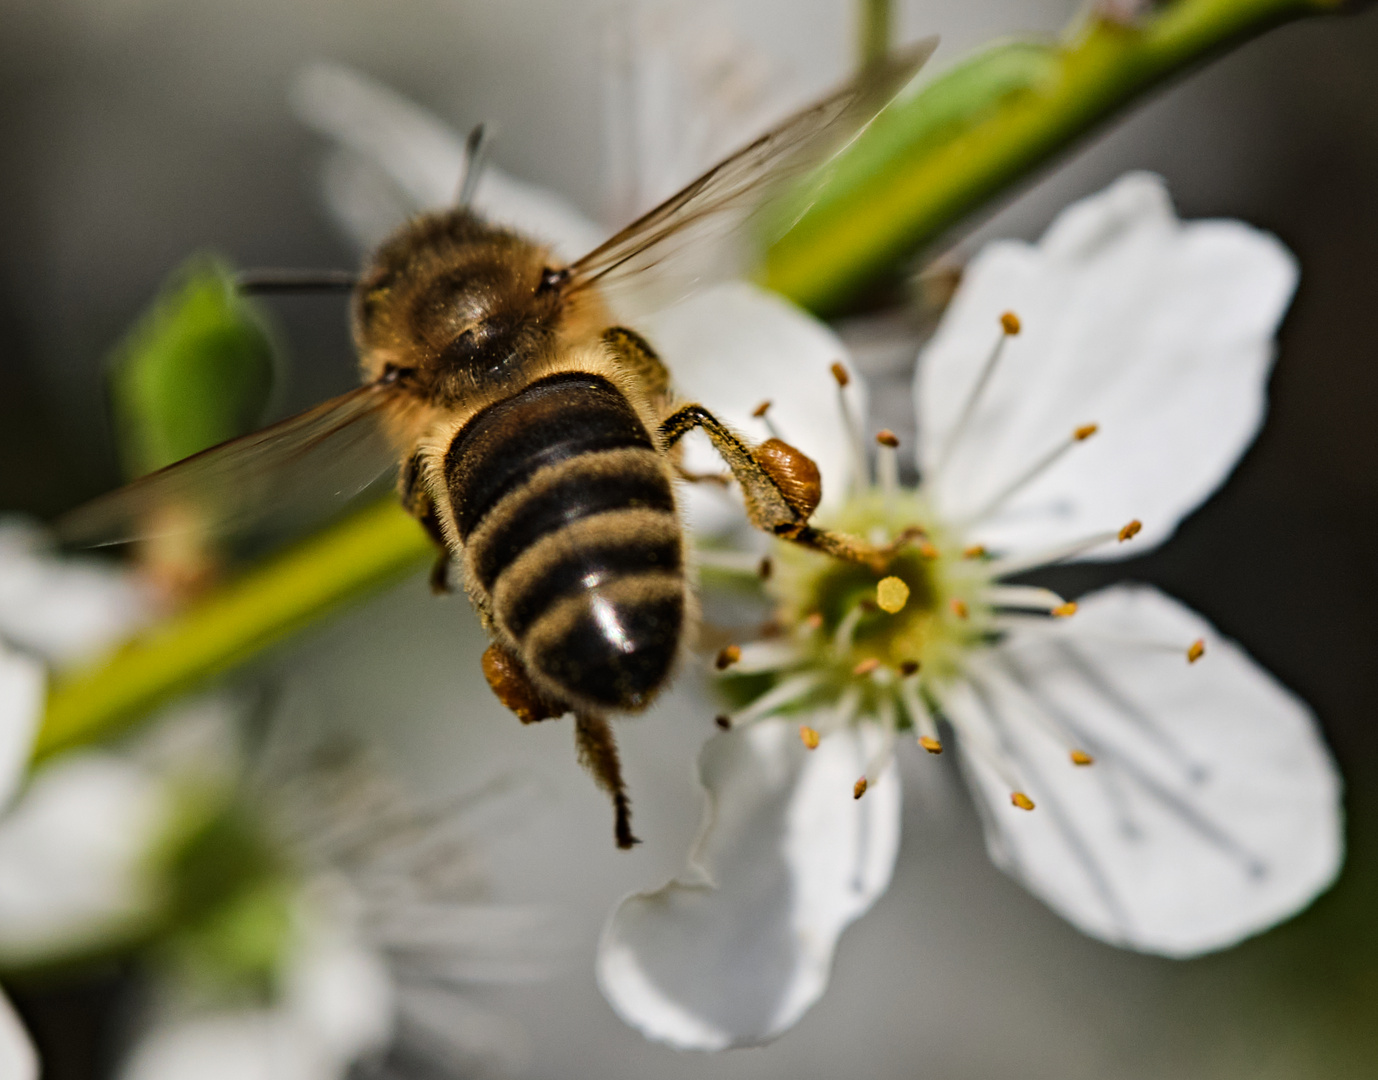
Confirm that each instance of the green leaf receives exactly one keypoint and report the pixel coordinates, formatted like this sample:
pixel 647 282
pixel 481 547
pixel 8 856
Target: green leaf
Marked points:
pixel 197 369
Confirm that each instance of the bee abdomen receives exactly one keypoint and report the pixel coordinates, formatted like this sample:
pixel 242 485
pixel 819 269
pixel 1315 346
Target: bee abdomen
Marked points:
pixel 568 520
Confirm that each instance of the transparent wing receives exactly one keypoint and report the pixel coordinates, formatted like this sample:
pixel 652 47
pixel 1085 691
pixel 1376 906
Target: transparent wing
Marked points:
pixel 696 236
pixel 284 472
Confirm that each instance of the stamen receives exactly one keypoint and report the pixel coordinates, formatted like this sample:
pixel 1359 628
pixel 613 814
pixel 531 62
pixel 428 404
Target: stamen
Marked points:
pixel 976 551
pixel 842 639
pixel 760 413
pixel 928 549
pixel 763 656
pixel 1131 530
pixel 866 667
pixel 920 717
pixel 859 788
pixel 909 667
pixel 778 696
pixel 1009 327
pixel 1028 597
pixel 1033 472
pixel 850 424
pixel 1081 757
pixel 729 655
pixel 1019 799
pixel 723 721
pixel 1064 611
pixel 888 462
pixel 808 736
pixel 892 594
pixel 1196 651
pixel 1008 567
pixel 959 608
pixel 814 620
pixel 766 568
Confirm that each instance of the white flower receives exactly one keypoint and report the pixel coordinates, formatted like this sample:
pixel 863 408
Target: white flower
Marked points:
pixel 54 611
pixel 1135 769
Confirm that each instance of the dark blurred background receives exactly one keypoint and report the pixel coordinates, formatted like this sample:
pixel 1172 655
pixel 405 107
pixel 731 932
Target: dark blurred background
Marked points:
pixel 134 132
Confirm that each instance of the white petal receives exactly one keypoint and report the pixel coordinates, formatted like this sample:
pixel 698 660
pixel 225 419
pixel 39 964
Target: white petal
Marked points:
pixel 736 345
pixel 424 157
pixel 17 1058
pixel 65 609
pixel 73 854
pixel 252 1044
pixel 1213 808
pixel 21 708
pixel 1160 332
pixel 734 951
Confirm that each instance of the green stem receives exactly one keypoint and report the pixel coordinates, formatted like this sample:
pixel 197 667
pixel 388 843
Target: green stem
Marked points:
pixel 372 548
pixel 871 219
pixel 995 122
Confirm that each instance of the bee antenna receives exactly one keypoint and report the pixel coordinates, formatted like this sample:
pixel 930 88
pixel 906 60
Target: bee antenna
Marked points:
pixel 295 281
pixel 475 152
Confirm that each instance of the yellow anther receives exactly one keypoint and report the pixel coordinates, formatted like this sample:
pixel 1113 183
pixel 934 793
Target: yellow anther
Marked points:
pixel 1131 530
pixel 761 409
pixel 1021 800
pixel 1009 322
pixel 892 594
pixel 1081 757
pixel 909 667
pixel 840 373
pixel 959 608
pixel 886 437
pixel 1197 650
pixel 866 667
pixel 928 549
pixel 808 736
pixel 976 551
pixel 859 788
pixel 723 721
pixel 729 656
pixel 1085 432
pixel 1063 611
pixel 933 746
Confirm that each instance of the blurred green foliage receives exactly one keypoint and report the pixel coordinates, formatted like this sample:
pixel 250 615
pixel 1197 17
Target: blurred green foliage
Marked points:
pixel 198 368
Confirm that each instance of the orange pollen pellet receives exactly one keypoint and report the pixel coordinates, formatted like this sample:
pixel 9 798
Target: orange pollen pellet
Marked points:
pixel 1131 530
pixel 1063 611
pixel 840 373
pixel 976 551
pixel 1019 799
pixel 886 437
pixel 1009 322
pixel 1085 432
pixel 1081 757
pixel 761 409
pixel 959 608
pixel 729 656
pixel 723 721
pixel 859 788
pixel 933 746
pixel 866 667
pixel 1197 650
pixel 808 736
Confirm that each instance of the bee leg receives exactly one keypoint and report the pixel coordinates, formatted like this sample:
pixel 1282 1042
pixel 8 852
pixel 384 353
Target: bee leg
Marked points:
pixel 598 753
pixel 636 354
pixel 417 503
pixel 509 681
pixel 780 484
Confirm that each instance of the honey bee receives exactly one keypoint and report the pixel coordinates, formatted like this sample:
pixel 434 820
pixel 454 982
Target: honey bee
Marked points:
pixel 534 435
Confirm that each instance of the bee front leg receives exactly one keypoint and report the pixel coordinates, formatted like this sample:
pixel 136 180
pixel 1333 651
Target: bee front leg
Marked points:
pixel 780 484
pixel 417 503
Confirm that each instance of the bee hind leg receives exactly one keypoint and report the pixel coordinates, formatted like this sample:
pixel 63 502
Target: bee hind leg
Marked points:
pixel 780 484
pixel 417 503
pixel 598 753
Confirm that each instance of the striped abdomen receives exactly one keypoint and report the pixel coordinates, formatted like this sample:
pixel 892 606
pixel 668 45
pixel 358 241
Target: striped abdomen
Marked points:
pixel 567 517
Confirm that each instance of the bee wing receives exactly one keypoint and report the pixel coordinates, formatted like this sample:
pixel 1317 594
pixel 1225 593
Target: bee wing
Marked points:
pixel 669 251
pixel 336 449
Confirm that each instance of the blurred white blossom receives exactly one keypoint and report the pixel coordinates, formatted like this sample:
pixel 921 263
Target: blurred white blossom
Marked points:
pixel 1134 769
